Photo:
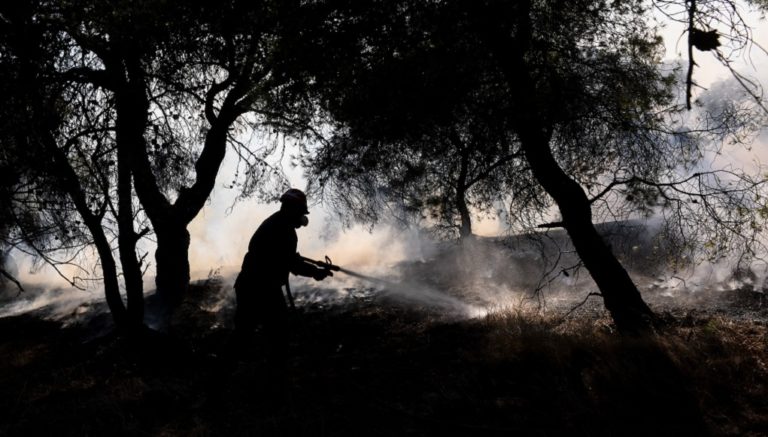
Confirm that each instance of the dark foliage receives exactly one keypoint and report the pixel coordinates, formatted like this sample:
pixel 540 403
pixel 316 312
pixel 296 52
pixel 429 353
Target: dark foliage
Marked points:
pixel 448 110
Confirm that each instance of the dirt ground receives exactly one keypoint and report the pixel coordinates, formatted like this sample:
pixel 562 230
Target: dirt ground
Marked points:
pixel 376 367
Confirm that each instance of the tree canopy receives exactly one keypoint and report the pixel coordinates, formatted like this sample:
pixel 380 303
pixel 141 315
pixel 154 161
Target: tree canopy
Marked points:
pixel 120 114
pixel 134 105
pixel 569 98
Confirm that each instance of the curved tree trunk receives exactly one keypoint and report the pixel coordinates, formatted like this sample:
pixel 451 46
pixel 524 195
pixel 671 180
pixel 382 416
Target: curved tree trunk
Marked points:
pixel 46 126
pixel 171 255
pixel 170 220
pixel 621 296
pixel 72 186
pixel 93 223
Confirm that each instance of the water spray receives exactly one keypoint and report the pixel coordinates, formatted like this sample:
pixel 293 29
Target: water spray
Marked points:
pixel 410 291
pixel 328 265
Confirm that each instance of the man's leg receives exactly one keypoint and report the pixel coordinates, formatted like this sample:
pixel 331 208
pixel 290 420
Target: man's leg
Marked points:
pixel 243 339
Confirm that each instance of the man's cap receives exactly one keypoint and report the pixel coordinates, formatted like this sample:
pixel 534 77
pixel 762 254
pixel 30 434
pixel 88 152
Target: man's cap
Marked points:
pixel 295 197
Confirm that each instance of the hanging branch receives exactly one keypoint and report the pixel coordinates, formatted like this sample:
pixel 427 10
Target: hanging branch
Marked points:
pixel 751 87
pixel 704 41
pixel 691 62
pixel 12 279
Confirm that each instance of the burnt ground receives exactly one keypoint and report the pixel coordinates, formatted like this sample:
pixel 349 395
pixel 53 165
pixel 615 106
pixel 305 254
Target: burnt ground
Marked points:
pixel 376 367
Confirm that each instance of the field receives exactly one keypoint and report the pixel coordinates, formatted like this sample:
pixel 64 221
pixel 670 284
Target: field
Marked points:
pixel 374 366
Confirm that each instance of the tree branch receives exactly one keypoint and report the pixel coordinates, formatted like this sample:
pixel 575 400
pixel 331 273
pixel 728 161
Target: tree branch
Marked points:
pixel 100 78
pixel 12 279
pixel 691 62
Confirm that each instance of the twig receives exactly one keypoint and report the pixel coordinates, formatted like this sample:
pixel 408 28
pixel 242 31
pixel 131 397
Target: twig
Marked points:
pixel 551 225
pixel 691 62
pixel 579 305
pixel 12 279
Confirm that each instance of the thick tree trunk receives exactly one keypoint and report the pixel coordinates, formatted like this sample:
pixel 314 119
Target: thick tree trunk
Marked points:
pixel 170 220
pixel 172 262
pixel 621 296
pixel 465 224
pixel 173 239
pixel 172 255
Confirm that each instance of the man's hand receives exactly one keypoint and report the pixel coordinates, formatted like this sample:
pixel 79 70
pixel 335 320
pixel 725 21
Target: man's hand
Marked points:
pixel 321 274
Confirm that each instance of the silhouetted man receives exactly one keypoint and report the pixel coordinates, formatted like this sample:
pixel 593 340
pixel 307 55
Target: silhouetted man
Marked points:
pixel 271 257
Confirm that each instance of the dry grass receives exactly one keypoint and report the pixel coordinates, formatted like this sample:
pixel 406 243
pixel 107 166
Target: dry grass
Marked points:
pixel 714 364
pixel 376 369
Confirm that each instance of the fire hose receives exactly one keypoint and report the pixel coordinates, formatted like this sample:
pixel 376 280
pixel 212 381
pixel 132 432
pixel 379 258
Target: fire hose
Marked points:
pixel 328 265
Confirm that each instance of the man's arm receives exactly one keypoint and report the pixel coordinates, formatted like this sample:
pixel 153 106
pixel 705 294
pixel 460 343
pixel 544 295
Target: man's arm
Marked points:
pixel 302 268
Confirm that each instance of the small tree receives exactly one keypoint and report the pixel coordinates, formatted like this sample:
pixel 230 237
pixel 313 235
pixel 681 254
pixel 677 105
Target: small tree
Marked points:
pixel 412 136
pixel 66 194
pixel 184 79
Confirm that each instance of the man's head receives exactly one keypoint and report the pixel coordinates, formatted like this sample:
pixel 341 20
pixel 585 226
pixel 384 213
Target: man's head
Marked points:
pixel 294 203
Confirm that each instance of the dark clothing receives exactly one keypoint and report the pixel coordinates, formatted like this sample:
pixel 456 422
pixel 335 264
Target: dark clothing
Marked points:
pixel 271 257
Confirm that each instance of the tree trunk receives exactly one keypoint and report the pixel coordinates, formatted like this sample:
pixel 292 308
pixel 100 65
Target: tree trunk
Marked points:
pixel 621 296
pixel 109 270
pixel 170 220
pixel 172 262
pixel 45 118
pixel 171 255
pixel 93 223
pixel 128 126
pixel 465 225
pixel 465 230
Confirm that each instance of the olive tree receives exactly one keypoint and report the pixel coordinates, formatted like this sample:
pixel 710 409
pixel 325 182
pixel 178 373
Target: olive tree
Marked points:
pixel 587 100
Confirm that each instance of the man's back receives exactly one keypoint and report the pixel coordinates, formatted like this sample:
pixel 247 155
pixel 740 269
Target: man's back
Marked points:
pixel 271 252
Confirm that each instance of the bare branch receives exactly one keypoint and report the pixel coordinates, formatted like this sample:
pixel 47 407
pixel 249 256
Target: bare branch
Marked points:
pixel 12 279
